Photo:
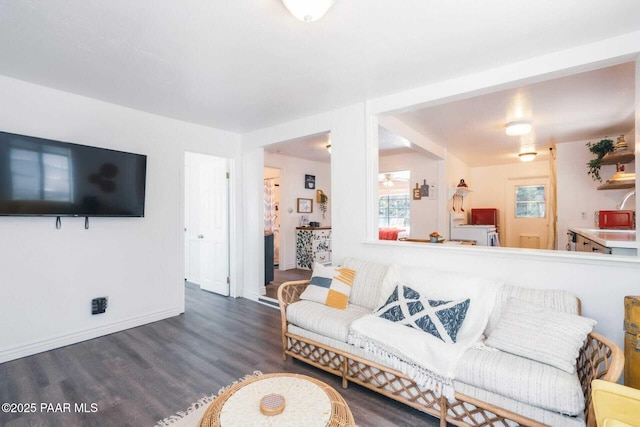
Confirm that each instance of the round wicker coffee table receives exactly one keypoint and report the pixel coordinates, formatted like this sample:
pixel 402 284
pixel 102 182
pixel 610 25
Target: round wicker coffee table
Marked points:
pixel 308 402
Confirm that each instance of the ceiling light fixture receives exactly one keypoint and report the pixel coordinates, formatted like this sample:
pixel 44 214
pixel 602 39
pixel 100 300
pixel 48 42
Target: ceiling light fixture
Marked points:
pixel 308 10
pixel 527 157
pixel 329 148
pixel 517 128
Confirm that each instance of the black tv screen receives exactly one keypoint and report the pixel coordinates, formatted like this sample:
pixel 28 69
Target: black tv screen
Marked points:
pixel 44 177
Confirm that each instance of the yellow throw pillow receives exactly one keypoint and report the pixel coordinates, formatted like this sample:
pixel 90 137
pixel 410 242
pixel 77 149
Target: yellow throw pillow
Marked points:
pixel 330 286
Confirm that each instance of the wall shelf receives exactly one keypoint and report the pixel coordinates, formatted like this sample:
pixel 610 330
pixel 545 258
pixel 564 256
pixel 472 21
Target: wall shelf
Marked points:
pixel 617 185
pixel 459 191
pixel 620 180
pixel 621 157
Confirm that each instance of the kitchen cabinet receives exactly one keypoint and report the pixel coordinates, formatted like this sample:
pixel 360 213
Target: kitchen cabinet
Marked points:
pixel 612 242
pixel 313 244
pixel 584 244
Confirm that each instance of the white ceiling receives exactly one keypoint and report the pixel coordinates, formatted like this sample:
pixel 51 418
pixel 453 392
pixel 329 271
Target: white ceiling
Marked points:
pixel 243 65
pixel 585 106
pixel 311 147
pixel 390 144
pixel 314 147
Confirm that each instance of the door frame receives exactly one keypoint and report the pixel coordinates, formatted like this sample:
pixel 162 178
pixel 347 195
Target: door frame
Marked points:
pixel 232 224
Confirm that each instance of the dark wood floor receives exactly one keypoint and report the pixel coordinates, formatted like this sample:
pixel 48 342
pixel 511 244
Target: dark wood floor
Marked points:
pixel 281 276
pixel 139 376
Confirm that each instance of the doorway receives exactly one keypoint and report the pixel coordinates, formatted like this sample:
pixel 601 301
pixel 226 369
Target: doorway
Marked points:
pixel 207 222
pixel 297 200
pixel 272 219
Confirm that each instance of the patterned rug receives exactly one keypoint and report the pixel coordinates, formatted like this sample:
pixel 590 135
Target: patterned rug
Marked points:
pixel 192 415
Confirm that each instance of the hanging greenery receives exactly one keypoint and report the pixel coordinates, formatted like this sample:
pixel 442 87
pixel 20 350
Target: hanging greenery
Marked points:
pixel 323 204
pixel 600 149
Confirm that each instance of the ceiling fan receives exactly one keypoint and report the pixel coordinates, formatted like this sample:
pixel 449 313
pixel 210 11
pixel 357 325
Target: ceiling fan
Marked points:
pixel 388 179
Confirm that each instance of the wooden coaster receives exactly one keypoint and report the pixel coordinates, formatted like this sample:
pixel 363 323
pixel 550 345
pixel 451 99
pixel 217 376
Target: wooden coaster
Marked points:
pixel 272 404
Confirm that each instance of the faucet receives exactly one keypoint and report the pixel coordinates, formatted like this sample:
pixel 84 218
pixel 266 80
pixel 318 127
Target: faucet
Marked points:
pixel 626 197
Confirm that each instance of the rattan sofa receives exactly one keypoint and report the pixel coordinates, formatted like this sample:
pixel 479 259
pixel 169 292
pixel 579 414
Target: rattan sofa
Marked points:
pixel 303 339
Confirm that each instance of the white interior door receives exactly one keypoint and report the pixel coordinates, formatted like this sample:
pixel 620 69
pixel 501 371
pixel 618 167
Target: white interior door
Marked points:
pixel 207 234
pixel 527 212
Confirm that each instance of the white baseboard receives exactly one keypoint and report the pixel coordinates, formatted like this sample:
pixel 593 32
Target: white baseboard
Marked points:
pixel 76 337
pixel 251 295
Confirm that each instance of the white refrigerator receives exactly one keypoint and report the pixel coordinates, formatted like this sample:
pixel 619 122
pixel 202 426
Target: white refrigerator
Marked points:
pixel 484 235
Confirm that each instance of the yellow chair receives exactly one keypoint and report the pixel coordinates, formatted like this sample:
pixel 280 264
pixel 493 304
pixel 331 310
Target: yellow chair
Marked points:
pixel 615 405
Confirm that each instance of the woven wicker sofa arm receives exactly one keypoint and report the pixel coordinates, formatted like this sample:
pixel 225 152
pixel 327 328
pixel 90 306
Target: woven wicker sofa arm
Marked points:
pixel 288 293
pixel 599 358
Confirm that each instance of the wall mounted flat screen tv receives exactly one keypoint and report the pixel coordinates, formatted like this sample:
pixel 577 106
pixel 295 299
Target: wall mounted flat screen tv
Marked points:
pixel 43 177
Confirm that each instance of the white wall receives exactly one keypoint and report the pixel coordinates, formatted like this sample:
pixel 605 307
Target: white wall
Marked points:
pixel 424 212
pixel 600 282
pixel 48 276
pixel 348 188
pixel 292 172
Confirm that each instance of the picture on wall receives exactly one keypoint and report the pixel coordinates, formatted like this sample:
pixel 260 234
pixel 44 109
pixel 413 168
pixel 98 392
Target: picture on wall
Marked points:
pixel 310 181
pixel 305 205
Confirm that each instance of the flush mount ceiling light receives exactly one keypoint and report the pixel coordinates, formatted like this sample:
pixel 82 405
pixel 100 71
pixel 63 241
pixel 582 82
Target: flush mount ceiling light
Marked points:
pixel 527 157
pixel 520 127
pixel 308 10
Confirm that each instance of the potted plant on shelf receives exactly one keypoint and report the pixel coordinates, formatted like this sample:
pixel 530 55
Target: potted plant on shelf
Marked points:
pixel 600 149
pixel 322 200
pixel 434 237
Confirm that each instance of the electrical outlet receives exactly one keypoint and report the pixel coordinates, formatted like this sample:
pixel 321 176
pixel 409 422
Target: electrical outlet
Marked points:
pixel 99 305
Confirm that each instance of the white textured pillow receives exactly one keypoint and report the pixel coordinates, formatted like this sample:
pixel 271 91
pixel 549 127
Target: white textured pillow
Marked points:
pixel 541 334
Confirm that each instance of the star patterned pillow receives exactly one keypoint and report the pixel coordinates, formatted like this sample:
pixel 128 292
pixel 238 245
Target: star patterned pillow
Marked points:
pixel 442 319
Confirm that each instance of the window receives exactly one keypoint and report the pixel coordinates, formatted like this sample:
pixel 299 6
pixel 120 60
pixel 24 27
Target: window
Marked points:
pixel 530 201
pixel 393 210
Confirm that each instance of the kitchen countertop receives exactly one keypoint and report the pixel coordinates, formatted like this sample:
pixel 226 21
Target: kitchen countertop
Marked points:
pixel 443 241
pixel 609 238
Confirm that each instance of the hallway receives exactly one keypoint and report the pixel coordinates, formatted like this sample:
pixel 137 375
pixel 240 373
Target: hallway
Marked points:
pixel 281 276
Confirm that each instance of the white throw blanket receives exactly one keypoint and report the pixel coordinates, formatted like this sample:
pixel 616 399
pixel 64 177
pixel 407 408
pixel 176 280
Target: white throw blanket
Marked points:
pixel 428 360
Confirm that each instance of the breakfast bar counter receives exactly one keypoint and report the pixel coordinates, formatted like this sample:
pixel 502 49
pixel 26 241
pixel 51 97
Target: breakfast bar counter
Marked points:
pixel 615 242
